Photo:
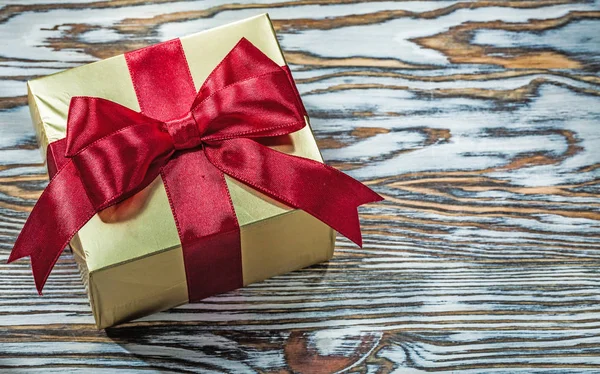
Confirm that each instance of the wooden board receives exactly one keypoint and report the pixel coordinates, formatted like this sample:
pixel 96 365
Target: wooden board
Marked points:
pixel 479 121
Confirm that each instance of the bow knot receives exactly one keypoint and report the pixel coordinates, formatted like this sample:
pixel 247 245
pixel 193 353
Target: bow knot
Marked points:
pixel 184 131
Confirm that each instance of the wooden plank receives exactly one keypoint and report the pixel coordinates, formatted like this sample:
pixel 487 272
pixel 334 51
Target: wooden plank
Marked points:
pixel 477 120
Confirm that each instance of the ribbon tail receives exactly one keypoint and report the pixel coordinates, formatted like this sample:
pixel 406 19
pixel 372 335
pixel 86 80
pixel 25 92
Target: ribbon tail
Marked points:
pixel 320 190
pixel 62 209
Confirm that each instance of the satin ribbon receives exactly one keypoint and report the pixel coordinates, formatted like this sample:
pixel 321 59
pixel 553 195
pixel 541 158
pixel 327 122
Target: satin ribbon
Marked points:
pixel 191 140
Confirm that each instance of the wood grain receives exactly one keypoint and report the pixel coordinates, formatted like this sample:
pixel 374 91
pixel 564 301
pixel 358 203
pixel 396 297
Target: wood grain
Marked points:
pixel 477 120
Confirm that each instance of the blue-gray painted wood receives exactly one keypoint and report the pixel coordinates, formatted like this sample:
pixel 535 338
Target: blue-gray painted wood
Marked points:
pixel 479 121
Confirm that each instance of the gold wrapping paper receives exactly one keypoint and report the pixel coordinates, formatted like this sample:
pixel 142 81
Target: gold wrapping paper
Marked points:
pixel 130 256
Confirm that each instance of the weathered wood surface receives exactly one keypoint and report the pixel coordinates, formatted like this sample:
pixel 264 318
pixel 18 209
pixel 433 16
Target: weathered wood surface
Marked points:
pixel 478 121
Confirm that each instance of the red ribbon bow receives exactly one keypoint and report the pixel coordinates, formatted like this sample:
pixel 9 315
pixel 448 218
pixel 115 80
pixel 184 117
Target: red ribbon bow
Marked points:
pixel 111 152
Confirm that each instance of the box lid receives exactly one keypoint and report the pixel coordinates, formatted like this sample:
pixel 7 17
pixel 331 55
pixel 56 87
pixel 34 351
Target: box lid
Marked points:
pixel 143 225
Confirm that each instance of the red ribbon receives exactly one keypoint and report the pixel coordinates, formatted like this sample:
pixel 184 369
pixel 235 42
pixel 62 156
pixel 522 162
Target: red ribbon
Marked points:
pixel 112 152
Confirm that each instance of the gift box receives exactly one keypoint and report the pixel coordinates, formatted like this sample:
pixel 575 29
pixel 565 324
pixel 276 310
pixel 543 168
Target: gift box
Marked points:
pixel 153 246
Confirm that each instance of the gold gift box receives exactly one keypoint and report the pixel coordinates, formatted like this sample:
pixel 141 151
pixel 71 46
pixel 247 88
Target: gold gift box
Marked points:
pixel 130 256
